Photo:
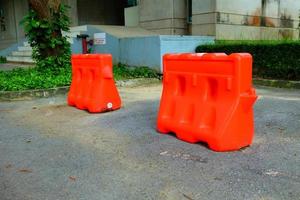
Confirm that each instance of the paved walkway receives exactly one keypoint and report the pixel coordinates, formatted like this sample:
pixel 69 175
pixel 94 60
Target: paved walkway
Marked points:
pixel 52 151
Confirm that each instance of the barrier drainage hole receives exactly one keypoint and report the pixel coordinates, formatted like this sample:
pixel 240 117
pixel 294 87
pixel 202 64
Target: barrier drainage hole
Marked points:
pixel 109 105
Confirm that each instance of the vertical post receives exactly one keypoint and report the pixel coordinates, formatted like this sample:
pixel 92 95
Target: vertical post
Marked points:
pixel 15 21
pixel 263 12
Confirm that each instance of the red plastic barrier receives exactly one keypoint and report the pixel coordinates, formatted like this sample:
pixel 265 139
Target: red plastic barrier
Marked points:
pixel 93 87
pixel 208 98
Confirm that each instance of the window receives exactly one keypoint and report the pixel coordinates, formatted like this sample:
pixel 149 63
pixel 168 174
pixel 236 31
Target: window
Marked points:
pixel 2 20
pixel 131 3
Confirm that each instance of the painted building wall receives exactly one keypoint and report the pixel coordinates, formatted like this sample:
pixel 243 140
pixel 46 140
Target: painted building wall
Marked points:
pixel 13 13
pixel 166 17
pixel 203 17
pixel 11 31
pixel 73 11
pixel 134 53
pixel 131 16
pixel 244 19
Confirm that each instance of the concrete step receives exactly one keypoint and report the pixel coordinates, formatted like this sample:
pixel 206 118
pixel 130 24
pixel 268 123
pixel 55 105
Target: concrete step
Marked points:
pixel 24 48
pixel 78 28
pixel 22 53
pixel 71 34
pixel 71 40
pixel 26 44
pixel 19 59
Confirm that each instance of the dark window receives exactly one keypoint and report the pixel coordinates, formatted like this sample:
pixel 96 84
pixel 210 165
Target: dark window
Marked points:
pixel 131 3
pixel 2 20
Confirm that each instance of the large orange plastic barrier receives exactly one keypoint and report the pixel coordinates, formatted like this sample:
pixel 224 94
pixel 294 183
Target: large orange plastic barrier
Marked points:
pixel 208 98
pixel 93 87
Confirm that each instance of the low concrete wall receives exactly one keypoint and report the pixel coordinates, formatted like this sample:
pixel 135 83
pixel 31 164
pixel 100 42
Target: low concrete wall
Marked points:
pixel 148 51
pixel 112 45
pixel 182 44
pixel 143 50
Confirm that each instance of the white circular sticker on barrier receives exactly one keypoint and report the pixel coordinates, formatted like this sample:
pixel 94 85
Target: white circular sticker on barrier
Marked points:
pixel 109 105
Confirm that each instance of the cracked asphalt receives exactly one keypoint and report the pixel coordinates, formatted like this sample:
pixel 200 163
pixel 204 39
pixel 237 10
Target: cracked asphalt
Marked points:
pixel 51 151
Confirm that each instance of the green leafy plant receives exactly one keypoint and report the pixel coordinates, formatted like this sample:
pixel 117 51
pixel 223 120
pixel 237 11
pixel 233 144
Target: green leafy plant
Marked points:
pixel 122 71
pixel 43 27
pixel 271 59
pixel 34 78
pixel 2 59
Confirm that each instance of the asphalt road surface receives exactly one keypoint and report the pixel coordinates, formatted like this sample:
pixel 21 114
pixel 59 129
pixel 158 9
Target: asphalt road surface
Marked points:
pixel 51 151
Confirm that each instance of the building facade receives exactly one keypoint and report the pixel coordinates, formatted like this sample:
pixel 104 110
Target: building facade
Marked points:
pixel 223 19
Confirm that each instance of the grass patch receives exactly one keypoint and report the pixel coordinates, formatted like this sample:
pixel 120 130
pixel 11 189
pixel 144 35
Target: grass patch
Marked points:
pixel 35 78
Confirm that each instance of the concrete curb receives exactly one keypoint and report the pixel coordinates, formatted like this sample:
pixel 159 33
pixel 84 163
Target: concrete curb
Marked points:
pixel 277 83
pixel 45 93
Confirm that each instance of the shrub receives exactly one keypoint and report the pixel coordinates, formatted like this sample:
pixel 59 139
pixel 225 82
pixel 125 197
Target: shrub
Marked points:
pixel 43 27
pixel 122 71
pixel 2 59
pixel 274 60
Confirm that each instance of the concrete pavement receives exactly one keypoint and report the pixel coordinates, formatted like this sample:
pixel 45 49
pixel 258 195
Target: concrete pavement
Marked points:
pixel 51 151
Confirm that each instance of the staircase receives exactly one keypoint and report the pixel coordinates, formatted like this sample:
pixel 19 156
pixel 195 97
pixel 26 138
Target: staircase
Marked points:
pixel 24 53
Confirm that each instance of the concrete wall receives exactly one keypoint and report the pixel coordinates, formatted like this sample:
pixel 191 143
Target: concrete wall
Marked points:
pixel 148 51
pixel 244 19
pixel 112 45
pixel 13 11
pixel 131 16
pixel 73 12
pixel 104 12
pixel 143 50
pixel 163 16
pixel 260 19
pixel 203 17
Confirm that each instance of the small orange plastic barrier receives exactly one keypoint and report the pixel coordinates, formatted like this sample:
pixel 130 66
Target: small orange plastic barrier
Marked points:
pixel 92 86
pixel 208 98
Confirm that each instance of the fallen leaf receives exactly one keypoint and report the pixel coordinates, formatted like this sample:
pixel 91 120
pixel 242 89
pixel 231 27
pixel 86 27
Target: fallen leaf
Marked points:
pixel 72 178
pixel 8 166
pixel 272 173
pixel 163 153
pixel 25 170
pixel 187 197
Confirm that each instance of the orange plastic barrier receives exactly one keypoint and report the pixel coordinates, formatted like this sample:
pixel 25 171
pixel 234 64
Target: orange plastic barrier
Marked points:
pixel 208 98
pixel 93 87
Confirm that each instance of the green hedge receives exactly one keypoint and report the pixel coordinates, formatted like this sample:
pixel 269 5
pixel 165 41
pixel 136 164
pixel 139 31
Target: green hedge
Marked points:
pixel 272 60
